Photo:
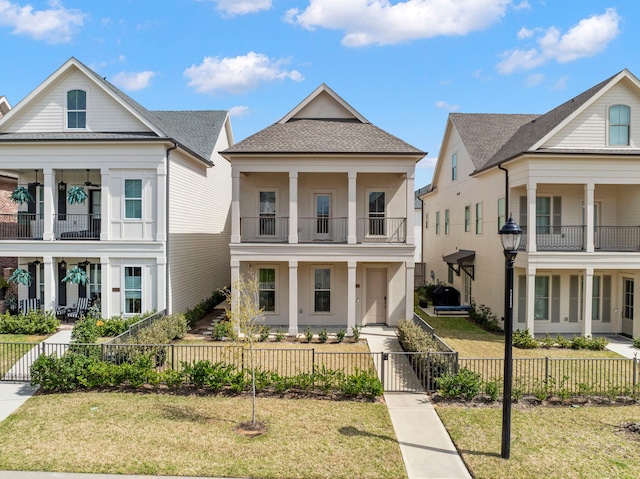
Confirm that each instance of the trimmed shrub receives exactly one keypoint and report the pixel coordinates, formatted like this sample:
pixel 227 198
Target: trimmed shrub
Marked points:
pixel 522 339
pixel 484 317
pixel 636 342
pixel 203 308
pixel 413 338
pixel 34 322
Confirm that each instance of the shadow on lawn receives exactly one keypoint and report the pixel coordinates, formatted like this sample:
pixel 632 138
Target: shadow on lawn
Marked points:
pixel 354 431
pixel 188 414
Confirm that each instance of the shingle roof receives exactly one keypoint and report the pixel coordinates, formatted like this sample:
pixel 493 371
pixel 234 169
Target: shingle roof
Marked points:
pixel 532 132
pixel 325 136
pixel 483 134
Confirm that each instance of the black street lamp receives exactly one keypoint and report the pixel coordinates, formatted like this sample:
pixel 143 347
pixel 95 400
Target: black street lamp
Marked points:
pixel 510 235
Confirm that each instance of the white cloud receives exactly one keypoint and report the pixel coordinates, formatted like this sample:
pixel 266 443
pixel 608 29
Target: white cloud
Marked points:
pixel 54 25
pixel 241 7
pixel 561 83
pixel 534 80
pixel 132 81
pixel 239 110
pixel 588 38
pixel 427 162
pixel 238 74
pixel 380 22
pixel 446 106
pixel 525 33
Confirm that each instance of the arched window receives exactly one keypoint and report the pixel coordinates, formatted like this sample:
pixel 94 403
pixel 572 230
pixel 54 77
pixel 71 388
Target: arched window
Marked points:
pixel 619 121
pixel 76 109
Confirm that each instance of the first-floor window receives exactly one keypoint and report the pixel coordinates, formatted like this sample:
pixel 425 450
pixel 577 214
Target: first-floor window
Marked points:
pixel 267 289
pixel 133 289
pixel 467 289
pixel 322 290
pixel 450 275
pixel 628 299
pixel 95 286
pixel 41 283
pixel 541 304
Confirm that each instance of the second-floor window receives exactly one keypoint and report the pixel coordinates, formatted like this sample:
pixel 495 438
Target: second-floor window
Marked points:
pixel 502 212
pixel 446 222
pixel 467 219
pixel 454 167
pixel 437 222
pixel 478 218
pixel 619 123
pixel 133 199
pixel 267 213
pixel 76 109
pixel 377 203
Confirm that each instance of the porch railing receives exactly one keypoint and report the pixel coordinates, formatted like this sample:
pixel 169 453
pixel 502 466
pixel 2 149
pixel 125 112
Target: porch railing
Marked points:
pixel 382 230
pixel 264 229
pixel 21 225
pixel 326 229
pixel 573 238
pixel 77 226
pixel 617 238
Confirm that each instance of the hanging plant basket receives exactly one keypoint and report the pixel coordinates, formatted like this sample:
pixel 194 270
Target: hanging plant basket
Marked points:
pixel 76 194
pixel 21 195
pixel 21 276
pixel 76 275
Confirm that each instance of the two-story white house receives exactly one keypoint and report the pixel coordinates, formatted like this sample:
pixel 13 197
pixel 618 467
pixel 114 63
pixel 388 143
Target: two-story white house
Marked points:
pixel 322 214
pixel 153 229
pixel 571 179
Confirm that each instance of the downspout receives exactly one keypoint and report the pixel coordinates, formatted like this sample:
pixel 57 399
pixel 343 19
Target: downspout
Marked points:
pixel 506 191
pixel 166 226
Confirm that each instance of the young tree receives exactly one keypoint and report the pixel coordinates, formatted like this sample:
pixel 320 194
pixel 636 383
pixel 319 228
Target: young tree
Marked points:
pixel 246 317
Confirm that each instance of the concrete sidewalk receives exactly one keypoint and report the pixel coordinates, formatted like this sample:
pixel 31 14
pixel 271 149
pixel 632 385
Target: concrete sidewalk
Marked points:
pixel 426 447
pixel 623 346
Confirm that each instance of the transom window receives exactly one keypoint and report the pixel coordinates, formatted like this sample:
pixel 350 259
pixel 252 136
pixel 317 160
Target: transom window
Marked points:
pixel 619 123
pixel 133 199
pixel 322 290
pixel 133 289
pixel 76 109
pixel 267 289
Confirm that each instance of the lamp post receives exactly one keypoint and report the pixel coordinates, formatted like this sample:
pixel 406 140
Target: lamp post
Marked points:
pixel 510 235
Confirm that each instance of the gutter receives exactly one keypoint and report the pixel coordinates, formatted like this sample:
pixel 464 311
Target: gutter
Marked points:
pixel 506 190
pixel 166 225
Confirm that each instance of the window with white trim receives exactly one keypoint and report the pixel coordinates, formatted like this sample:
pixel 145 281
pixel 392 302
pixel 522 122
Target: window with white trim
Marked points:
pixel 95 286
pixel 322 290
pixel 133 199
pixel 478 218
pixel 377 207
pixel 267 289
pixel 267 213
pixel 619 125
pixel 133 289
pixel 541 302
pixel 76 109
pixel 454 167
pixel 502 212
pixel 446 222
pixel 437 222
pixel 467 218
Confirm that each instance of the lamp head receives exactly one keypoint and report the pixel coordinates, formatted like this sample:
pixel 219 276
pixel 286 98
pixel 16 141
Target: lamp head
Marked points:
pixel 510 235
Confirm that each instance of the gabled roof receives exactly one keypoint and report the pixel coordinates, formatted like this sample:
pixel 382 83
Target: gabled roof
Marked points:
pixel 534 132
pixel 305 131
pixel 194 131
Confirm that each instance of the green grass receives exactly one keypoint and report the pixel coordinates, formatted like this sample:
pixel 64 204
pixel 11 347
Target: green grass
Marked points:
pixel 10 353
pixel 568 443
pixel 195 435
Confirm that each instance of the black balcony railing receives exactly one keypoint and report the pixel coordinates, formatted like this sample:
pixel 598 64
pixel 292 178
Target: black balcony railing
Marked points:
pixel 574 238
pixel 21 225
pixel 77 227
pixel 617 238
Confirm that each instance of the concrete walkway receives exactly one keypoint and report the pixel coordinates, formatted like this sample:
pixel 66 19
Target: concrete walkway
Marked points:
pixel 426 447
pixel 623 346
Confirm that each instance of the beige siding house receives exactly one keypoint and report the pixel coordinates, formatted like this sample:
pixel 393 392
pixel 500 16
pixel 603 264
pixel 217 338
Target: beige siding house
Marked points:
pixel 153 230
pixel 322 213
pixel 570 179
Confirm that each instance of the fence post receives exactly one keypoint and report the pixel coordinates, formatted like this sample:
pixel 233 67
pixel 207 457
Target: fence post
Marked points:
pixel 546 370
pixel 173 356
pixel 455 364
pixel 313 361
pixel 635 373
pixel 383 366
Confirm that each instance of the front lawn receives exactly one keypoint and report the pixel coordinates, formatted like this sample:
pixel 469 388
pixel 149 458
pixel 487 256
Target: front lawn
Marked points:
pixel 554 442
pixel 122 433
pixel 471 341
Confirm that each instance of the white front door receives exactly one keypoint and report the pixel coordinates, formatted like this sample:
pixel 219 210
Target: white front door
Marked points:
pixel 376 301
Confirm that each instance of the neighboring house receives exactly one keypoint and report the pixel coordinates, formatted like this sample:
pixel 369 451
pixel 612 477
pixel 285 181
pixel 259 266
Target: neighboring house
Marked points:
pixel 4 106
pixel 322 213
pixel 420 276
pixel 570 178
pixel 7 184
pixel 153 232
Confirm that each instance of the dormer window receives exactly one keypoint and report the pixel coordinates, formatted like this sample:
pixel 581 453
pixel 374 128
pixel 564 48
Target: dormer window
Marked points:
pixel 619 122
pixel 76 109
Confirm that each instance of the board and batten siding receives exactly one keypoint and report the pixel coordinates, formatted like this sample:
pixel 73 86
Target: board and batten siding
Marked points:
pixel 199 229
pixel 47 114
pixel 589 128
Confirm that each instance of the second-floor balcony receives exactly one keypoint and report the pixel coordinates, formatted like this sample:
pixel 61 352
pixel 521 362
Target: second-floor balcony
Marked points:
pixel 574 238
pixel 30 226
pixel 332 230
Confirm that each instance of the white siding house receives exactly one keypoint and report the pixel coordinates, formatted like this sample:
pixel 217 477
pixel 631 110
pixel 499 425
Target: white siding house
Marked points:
pixel 154 229
pixel 322 213
pixel 571 179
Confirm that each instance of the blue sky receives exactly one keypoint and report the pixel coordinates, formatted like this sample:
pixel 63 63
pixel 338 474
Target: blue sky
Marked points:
pixel 405 65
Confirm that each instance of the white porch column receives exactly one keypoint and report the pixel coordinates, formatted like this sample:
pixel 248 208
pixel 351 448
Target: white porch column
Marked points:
pixel 106 287
pixel 351 296
pixel 531 298
pixel 589 216
pixel 587 302
pixel 47 217
pixel 636 304
pixel 293 207
pixel 410 210
pixel 49 284
pixel 161 210
pixel 161 284
pixel 293 298
pixel 410 267
pixel 235 206
pixel 352 232
pixel 235 277
pixel 105 218
pixel 531 219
